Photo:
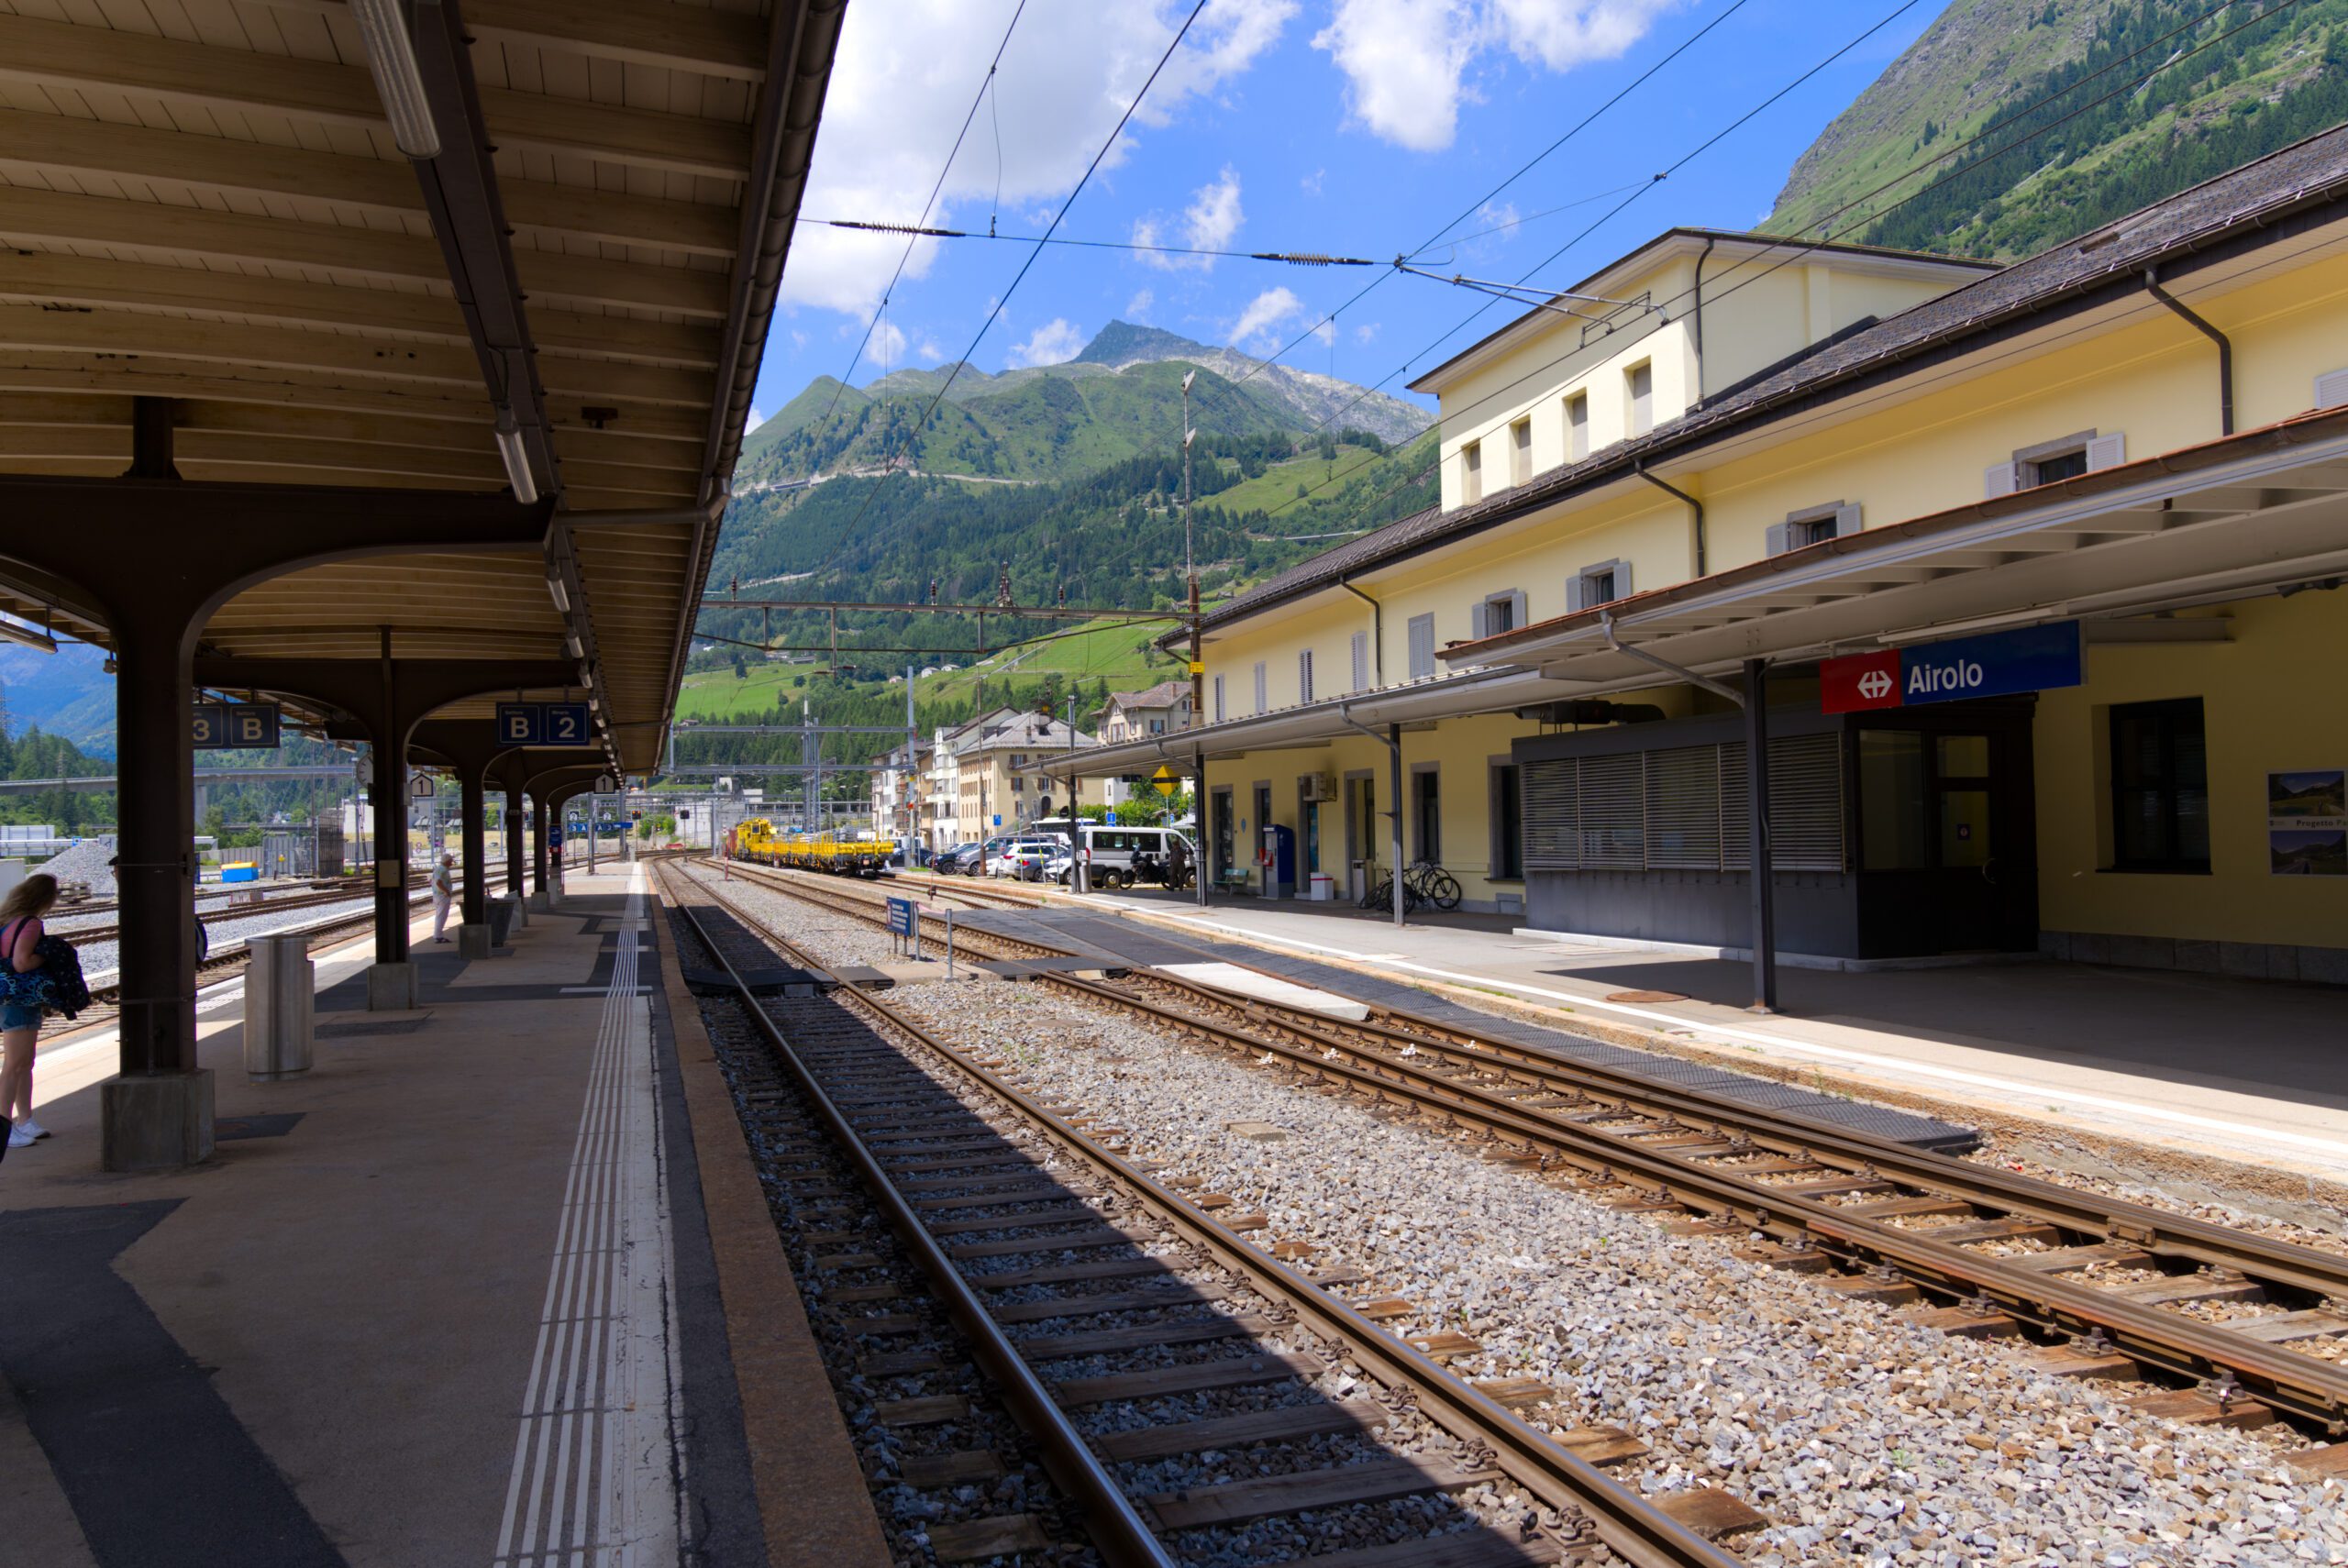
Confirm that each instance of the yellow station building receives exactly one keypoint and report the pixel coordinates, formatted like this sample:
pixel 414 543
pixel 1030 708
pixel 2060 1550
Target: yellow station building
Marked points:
pixel 1731 464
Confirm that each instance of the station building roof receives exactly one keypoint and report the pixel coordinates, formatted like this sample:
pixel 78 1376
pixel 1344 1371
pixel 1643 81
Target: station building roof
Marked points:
pixel 219 267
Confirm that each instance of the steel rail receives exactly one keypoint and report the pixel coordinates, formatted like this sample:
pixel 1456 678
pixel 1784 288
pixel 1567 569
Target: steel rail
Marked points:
pixel 1634 1528
pixel 2299 1385
pixel 1109 1515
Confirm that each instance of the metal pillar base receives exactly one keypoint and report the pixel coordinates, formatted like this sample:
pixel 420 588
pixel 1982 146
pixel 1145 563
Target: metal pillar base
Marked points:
pixel 155 1122
pixel 391 987
pixel 543 899
pixel 473 940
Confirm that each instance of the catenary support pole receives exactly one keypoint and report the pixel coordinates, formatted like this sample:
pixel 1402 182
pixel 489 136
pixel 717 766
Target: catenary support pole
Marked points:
pixel 1394 778
pixel 1757 806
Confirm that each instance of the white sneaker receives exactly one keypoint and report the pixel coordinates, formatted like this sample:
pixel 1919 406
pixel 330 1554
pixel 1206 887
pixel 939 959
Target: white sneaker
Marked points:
pixel 20 1139
pixel 35 1128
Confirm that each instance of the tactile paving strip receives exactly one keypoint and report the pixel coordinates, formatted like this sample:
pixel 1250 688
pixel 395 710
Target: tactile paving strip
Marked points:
pixel 1139 944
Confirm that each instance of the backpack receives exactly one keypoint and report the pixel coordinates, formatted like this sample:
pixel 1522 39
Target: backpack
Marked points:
pixel 57 984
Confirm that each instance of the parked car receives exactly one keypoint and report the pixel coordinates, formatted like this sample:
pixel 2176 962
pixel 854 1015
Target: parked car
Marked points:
pixel 1121 857
pixel 1016 855
pixel 974 859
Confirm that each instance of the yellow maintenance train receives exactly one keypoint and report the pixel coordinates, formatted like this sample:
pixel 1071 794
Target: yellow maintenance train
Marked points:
pixel 755 840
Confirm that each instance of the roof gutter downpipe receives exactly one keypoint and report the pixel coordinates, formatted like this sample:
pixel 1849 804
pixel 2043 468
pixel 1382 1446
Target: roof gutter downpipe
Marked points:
pixel 1695 328
pixel 2225 348
pixel 1640 469
pixel 1376 629
pixel 1392 741
pixel 1606 625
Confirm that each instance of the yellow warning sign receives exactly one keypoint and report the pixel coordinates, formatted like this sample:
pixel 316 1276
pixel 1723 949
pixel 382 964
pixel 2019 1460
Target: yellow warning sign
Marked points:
pixel 1166 780
pixel 1197 668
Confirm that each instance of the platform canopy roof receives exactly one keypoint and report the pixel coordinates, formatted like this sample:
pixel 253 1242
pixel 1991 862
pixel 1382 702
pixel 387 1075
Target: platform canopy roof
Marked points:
pixel 523 250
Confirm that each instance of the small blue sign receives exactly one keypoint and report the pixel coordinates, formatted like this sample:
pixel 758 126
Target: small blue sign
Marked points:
pixel 253 725
pixel 520 723
pixel 1997 664
pixel 210 723
pixel 554 838
pixel 902 916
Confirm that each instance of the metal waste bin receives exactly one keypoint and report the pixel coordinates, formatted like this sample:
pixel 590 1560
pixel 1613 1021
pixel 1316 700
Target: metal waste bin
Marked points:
pixel 281 1003
pixel 502 919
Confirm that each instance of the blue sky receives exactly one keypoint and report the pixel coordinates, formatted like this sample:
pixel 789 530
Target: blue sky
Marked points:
pixel 1344 127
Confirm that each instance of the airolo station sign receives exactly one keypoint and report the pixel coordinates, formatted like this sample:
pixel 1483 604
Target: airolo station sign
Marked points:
pixel 1999 664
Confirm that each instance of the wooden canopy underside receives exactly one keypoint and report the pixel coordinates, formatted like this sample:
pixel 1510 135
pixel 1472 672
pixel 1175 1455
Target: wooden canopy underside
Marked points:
pixel 202 200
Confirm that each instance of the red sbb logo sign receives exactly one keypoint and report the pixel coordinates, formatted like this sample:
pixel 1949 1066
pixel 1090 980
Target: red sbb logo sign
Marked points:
pixel 1859 682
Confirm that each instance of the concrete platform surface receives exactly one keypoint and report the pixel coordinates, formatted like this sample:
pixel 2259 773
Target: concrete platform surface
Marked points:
pixel 450 1297
pixel 2249 1070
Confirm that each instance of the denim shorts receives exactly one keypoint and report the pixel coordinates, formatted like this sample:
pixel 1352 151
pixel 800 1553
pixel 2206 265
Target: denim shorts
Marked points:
pixel 15 1015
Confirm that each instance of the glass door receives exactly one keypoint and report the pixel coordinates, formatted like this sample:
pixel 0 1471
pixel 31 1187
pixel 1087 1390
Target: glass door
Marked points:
pixel 1946 859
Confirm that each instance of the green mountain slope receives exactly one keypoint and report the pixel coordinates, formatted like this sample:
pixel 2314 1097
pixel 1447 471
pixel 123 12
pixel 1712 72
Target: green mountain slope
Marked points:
pixel 2084 110
pixel 1119 399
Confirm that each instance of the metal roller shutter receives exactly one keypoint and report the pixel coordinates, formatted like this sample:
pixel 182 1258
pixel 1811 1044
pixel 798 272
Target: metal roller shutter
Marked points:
pixel 1552 814
pixel 1683 796
pixel 1805 804
pixel 1614 812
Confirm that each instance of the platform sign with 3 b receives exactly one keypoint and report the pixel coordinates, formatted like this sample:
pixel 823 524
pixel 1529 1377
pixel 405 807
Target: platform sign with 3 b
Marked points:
pixel 542 724
pixel 236 727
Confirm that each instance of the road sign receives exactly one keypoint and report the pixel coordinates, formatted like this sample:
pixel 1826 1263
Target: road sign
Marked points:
pixel 1165 780
pixel 1997 664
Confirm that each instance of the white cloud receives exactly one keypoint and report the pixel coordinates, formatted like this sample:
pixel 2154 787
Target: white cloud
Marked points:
pixel 1500 220
pixel 1367 332
pixel 1312 183
pixel 756 419
pixel 903 80
pixel 798 338
pixel 1055 342
pixel 1209 223
pixel 1258 326
pixel 1405 62
pixel 1325 333
pixel 887 346
pixel 929 352
pixel 1137 307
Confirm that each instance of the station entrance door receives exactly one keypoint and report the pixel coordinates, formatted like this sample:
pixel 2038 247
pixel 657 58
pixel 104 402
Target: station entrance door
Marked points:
pixel 1947 829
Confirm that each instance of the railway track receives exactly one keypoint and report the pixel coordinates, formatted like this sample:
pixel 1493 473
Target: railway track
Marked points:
pixel 243 912
pixel 1132 1331
pixel 2234 1327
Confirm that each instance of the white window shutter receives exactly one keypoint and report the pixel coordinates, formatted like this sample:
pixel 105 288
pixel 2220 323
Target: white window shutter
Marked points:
pixel 1476 620
pixel 1576 593
pixel 2107 451
pixel 1263 692
pixel 1361 661
pixel 1621 580
pixel 2332 389
pixel 1516 608
pixel 2000 479
pixel 1780 539
pixel 1846 520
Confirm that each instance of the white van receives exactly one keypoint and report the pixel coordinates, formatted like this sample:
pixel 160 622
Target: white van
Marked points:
pixel 1121 857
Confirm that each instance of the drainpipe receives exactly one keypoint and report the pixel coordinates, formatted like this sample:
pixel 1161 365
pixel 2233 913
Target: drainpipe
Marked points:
pixel 1377 630
pixel 1392 741
pixel 1696 327
pixel 1640 470
pixel 1755 700
pixel 2225 348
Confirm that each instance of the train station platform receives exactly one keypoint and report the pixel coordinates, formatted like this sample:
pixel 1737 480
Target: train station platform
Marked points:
pixel 2246 1070
pixel 494 1282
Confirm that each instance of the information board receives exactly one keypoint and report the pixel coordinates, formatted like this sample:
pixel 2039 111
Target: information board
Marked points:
pixel 542 724
pixel 235 726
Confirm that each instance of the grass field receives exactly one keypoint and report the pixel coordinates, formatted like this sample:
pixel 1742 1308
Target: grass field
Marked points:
pixel 717 694
pixel 1116 652
pixel 1278 483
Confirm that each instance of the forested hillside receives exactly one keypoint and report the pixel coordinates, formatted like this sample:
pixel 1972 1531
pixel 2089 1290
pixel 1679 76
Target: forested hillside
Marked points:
pixel 2084 111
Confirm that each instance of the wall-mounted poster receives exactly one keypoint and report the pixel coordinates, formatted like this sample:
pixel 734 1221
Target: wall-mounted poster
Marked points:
pixel 2307 822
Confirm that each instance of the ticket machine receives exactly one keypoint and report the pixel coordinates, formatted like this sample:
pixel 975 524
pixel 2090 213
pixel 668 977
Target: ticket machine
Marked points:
pixel 1277 862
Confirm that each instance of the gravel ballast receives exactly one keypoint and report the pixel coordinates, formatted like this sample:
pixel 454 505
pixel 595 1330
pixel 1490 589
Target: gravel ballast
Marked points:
pixel 1864 1438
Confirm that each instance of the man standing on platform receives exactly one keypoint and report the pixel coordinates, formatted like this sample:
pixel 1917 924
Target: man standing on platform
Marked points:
pixel 443 891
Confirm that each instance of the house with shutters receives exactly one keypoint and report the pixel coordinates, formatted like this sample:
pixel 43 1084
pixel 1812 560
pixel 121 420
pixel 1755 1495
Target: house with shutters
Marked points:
pixel 1996 590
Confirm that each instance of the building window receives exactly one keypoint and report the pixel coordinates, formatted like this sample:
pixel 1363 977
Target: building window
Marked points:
pixel 1639 386
pixel 1422 647
pixel 1263 690
pixel 1361 661
pixel 1578 426
pixel 1304 676
pixel 1471 473
pixel 2160 788
pixel 1812 525
pixel 1498 613
pixel 1218 698
pixel 1427 812
pixel 1600 584
pixel 2050 462
pixel 1520 451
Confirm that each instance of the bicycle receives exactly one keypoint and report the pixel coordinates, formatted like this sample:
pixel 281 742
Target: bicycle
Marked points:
pixel 1382 895
pixel 1432 883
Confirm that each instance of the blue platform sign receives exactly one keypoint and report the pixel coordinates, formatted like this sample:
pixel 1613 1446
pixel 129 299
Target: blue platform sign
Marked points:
pixel 210 724
pixel 234 726
pixel 542 724
pixel 902 916
pixel 520 723
pixel 1996 664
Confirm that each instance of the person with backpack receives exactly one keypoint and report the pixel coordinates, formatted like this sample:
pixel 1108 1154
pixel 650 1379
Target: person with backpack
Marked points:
pixel 24 995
